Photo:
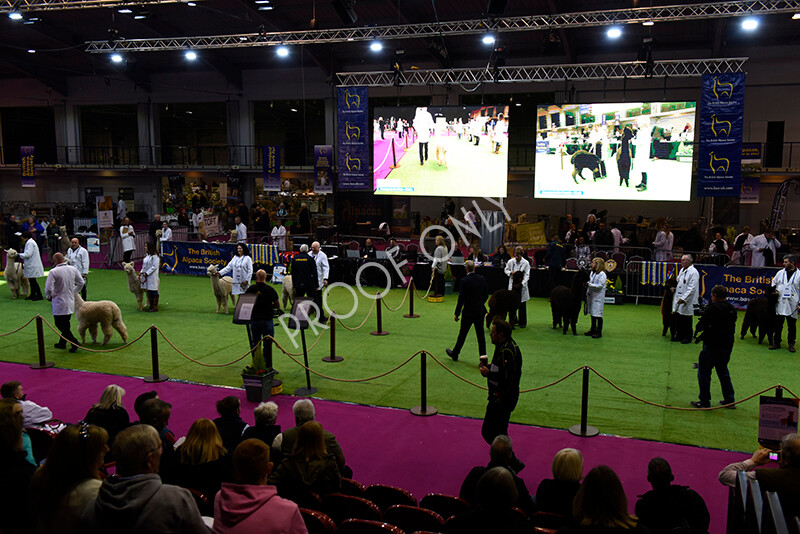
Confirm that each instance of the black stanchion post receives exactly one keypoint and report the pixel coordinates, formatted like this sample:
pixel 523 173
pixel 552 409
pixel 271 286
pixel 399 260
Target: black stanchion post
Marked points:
pixel 411 288
pixel 267 348
pixel 423 408
pixel 779 392
pixel 583 429
pixel 42 363
pixel 308 390
pixel 333 358
pixel 156 376
pixel 380 331
pixel 394 157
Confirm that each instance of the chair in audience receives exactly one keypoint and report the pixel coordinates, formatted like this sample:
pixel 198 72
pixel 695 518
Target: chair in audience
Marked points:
pixel 411 518
pixel 41 441
pixel 634 263
pixel 340 507
pixel 572 264
pixel 386 496
pixel 519 512
pixel 753 507
pixel 601 254
pixel 364 526
pixel 202 501
pixel 317 522
pixel 351 487
pixel 772 518
pixel 444 505
pixel 620 258
pixel 542 530
pixel 549 520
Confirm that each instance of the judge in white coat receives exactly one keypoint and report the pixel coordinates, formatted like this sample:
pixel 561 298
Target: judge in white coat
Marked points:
pixel 148 276
pixel 686 296
pixel 241 269
pixel 166 232
pixel 662 246
pixel 78 257
pixel 596 296
pixel 323 272
pixel 787 285
pixel 63 281
pixel 764 248
pixel 33 268
pixel 520 264
pixel 279 236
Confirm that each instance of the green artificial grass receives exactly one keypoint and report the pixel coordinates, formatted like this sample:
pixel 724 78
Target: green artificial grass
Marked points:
pixel 632 354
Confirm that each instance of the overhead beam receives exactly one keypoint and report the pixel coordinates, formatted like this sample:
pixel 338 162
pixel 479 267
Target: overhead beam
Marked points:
pixel 682 68
pixel 460 27
pixel 7 6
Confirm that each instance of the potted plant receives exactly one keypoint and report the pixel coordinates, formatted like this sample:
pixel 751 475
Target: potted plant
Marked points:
pixel 614 291
pixel 257 378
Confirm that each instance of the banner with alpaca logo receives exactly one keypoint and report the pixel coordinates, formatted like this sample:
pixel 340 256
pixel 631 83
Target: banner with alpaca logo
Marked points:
pixel 352 138
pixel 719 166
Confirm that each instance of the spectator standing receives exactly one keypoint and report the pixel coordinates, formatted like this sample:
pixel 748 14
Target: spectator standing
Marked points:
pixel 669 508
pixel 155 225
pixel 32 268
pixel 166 232
pixel 556 258
pixel 11 229
pixel 603 238
pixel 122 211
pixel 718 325
pixel 304 220
pixel 719 245
pixel 127 234
pixel 741 247
pixel 279 235
pixel 78 257
pixel 787 285
pixel 662 246
pixel 764 248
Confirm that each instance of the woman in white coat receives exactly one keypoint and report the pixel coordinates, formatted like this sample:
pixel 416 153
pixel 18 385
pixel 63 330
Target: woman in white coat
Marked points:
pixel 662 246
pixel 148 276
pixel 33 268
pixel 520 264
pixel 241 269
pixel 127 234
pixel 596 296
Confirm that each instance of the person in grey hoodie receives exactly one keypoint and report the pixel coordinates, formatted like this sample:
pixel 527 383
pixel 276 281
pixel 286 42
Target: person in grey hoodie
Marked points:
pixel 253 507
pixel 136 500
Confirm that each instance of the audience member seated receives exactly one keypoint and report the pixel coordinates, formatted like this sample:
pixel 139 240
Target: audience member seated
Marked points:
pixel 69 478
pixel 496 494
pixel 600 506
pixel 229 423
pixel 501 256
pixel 140 400
pixel 136 500
pixel 109 412
pixel 33 415
pixel 304 412
pixel 500 455
pixel 203 463
pixel 266 414
pixel 475 254
pixel 670 508
pixel 16 470
pixel 310 467
pixel 785 480
pixel 555 495
pixel 252 506
pixel 156 413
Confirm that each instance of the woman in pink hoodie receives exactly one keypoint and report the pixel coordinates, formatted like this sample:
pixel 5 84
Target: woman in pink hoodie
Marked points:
pixel 253 507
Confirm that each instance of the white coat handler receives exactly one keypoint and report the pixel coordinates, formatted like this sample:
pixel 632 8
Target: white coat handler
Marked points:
pixel 685 299
pixel 787 285
pixel 596 297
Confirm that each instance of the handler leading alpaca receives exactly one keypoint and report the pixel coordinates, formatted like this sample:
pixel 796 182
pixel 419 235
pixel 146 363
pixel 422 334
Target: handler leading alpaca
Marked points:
pixel 596 297
pixel 63 282
pixel 241 269
pixel 149 275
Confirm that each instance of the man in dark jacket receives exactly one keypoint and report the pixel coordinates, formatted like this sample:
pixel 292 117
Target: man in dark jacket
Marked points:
pixel 603 237
pixel 154 226
pixel 471 298
pixel 668 507
pixel 503 376
pixel 368 251
pixel 304 220
pixel 304 273
pixel 555 258
pixel 718 325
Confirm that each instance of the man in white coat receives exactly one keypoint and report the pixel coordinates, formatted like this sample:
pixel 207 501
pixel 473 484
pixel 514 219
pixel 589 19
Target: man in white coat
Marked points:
pixel 596 296
pixel 78 257
pixel 787 286
pixel 423 124
pixel 662 246
pixel 520 264
pixel 279 236
pixel 686 296
pixel 764 248
pixel 241 231
pixel 33 268
pixel 63 281
pixel 323 271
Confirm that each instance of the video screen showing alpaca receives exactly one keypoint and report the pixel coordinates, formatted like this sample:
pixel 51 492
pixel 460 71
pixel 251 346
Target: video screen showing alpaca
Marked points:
pixel 440 150
pixel 628 151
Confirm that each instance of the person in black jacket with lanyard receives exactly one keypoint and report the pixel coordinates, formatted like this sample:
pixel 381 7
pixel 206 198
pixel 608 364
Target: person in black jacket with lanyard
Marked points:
pixel 718 326
pixel 304 273
pixel 471 298
pixel 503 376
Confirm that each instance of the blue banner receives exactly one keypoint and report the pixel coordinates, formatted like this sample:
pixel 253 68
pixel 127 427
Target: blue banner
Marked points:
pixel 323 160
pixel 720 150
pixel 272 168
pixel 27 169
pixel 353 139
pixel 194 258
pixel 743 283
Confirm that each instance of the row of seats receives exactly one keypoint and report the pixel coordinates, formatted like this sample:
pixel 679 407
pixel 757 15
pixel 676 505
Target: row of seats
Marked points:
pixel 752 512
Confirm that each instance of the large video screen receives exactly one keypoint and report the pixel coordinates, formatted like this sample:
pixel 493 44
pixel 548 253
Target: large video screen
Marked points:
pixel 630 151
pixel 441 151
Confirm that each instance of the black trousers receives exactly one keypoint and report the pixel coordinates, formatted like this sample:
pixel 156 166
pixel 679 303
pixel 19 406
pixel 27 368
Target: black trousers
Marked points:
pixel 791 326
pixel 318 301
pixel 466 324
pixel 683 326
pixel 62 323
pixel 714 359
pixel 522 314
pixel 438 284
pixel 36 291
pixel 83 290
pixel 423 147
pixel 126 256
pixel 624 167
pixel 495 422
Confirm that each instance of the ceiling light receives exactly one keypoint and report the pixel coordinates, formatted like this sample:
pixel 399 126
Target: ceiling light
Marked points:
pixel 282 51
pixel 125 10
pixel 140 16
pixel 116 58
pixel 293 109
pixel 376 46
pixel 191 4
pixel 614 33
pixel 648 23
pixel 191 55
pixel 263 2
pixel 749 24
pixel 265 8
pixel 243 38
pixel 15 15
pixel 796 16
pixel 31 51
pixel 488 39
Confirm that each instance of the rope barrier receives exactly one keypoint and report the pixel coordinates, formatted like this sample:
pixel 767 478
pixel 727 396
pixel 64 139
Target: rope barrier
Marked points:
pixel 405 296
pixel 430 286
pixel 96 351
pixel 362 322
pixel 20 328
pixel 319 337
pixel 352 380
pixel 179 351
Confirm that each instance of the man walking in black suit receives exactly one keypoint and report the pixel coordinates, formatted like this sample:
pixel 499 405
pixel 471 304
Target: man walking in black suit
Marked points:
pixel 471 298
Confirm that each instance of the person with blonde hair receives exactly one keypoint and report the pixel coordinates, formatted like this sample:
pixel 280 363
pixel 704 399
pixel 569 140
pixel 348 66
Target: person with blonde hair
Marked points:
pixel 203 463
pixel 109 413
pixel 69 478
pixel 555 495
pixel 596 296
pixel 601 504
pixel 440 257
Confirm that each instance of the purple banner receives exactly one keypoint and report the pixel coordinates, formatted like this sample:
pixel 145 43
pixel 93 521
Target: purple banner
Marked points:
pixel 272 168
pixel 323 158
pixel 27 169
pixel 751 189
pixel 353 139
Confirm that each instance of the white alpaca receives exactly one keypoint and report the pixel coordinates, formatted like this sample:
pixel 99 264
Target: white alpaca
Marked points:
pixel 104 312
pixel 134 285
pixel 17 283
pixel 222 288
pixel 63 240
pixel 288 293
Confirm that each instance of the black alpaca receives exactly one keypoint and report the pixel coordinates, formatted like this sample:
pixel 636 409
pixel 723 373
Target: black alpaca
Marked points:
pixel 760 315
pixel 565 303
pixel 505 302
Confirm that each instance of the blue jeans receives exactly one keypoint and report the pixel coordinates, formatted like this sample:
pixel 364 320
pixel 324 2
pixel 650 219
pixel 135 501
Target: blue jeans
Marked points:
pixel 714 359
pixel 259 329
